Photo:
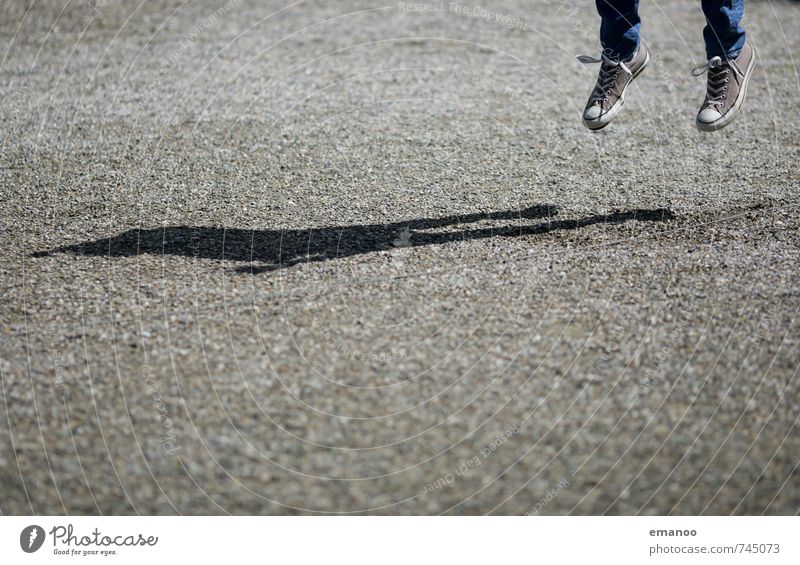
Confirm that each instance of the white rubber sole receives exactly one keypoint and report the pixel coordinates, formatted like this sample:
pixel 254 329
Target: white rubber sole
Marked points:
pixel 734 111
pixel 604 119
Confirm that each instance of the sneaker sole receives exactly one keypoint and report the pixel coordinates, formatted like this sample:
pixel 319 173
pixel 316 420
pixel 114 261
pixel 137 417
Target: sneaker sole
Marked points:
pixel 606 118
pixel 734 111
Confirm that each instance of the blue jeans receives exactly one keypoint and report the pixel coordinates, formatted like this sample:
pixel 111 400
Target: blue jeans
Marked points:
pixel 619 29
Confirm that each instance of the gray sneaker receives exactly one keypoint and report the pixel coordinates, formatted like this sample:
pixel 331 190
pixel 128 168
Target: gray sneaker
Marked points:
pixel 726 89
pixel 608 95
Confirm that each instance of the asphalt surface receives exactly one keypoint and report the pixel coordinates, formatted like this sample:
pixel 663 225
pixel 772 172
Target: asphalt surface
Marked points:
pixel 354 257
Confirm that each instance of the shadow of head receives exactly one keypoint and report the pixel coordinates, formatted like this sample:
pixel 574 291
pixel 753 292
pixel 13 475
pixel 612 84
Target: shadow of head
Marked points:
pixel 270 250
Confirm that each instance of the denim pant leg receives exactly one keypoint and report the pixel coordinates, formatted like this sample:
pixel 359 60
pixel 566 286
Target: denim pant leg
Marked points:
pixel 619 27
pixel 723 35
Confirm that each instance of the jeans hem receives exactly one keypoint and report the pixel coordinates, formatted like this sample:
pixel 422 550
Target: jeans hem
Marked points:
pixel 622 57
pixel 725 55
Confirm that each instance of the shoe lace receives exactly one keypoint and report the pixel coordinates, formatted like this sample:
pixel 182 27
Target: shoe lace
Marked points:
pixel 719 75
pixel 609 69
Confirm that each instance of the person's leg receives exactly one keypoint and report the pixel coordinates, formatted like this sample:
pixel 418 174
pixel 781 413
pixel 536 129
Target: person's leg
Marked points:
pixel 624 57
pixel 731 61
pixel 619 28
pixel 723 33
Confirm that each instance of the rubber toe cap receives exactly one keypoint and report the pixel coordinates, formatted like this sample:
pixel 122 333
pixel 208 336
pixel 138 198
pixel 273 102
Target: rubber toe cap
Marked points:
pixel 592 112
pixel 708 116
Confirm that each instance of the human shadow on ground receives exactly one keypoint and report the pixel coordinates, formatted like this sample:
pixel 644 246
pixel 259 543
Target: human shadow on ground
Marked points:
pixel 271 250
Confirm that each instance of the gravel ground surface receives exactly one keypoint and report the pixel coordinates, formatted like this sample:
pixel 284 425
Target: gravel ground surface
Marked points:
pixel 355 257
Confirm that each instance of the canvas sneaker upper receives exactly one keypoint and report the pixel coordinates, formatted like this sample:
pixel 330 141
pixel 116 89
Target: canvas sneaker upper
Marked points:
pixel 725 89
pixel 612 81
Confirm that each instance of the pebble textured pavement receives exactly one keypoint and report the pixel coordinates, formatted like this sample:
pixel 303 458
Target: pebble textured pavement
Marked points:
pixel 361 257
